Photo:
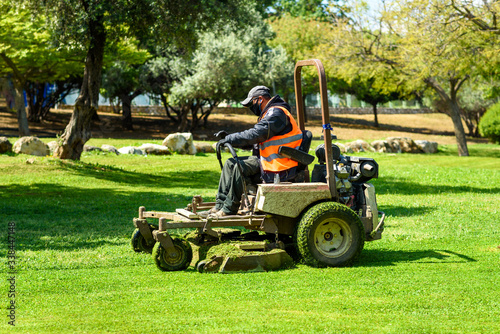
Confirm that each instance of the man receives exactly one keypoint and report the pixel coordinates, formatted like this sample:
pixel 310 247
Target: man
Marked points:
pixel 275 127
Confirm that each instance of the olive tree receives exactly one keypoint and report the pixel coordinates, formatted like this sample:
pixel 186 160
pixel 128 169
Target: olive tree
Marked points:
pixel 93 23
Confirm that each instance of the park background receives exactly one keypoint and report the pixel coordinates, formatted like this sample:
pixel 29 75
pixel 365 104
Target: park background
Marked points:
pixel 434 271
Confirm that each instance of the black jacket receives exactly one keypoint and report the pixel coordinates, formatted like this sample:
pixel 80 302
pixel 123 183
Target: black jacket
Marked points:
pixel 274 123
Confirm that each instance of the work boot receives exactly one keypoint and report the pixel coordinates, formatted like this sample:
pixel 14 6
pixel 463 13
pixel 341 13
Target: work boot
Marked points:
pixel 204 214
pixel 220 214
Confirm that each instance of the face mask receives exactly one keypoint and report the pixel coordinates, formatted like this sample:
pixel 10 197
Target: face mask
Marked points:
pixel 255 108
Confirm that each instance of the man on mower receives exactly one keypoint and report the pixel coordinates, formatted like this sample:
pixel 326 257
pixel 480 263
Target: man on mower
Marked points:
pixel 275 127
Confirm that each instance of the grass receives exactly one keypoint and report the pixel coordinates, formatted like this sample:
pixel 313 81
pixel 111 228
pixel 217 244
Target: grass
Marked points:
pixel 436 269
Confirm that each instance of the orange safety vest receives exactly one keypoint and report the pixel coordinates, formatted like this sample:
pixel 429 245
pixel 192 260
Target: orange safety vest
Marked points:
pixel 270 160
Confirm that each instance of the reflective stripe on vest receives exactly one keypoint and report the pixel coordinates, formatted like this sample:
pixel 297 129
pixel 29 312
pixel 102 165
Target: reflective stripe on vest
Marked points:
pixel 270 160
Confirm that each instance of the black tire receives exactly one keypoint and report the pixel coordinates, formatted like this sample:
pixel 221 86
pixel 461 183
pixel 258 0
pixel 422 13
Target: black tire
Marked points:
pixel 139 243
pixel 330 234
pixel 181 260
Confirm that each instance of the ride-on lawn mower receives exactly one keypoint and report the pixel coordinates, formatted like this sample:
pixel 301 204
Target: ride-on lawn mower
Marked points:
pixel 323 219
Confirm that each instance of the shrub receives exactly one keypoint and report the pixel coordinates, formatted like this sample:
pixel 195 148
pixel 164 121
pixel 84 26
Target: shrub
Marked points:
pixel 489 126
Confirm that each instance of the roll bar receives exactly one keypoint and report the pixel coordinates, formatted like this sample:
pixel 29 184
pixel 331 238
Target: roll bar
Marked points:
pixel 330 176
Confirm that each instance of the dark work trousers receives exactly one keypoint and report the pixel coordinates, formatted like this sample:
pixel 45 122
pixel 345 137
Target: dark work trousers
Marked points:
pixel 231 183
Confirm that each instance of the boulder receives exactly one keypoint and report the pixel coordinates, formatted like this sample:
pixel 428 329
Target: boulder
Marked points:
pixel 109 148
pixel 31 146
pixel 382 146
pixel 5 145
pixel 155 149
pixel 181 143
pixel 407 145
pixel 427 146
pixel 394 144
pixel 204 147
pixel 131 150
pixel 53 145
pixel 359 146
pixel 89 148
pixel 342 147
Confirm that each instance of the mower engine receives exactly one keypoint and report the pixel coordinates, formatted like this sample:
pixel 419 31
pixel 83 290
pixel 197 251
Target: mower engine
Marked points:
pixel 351 176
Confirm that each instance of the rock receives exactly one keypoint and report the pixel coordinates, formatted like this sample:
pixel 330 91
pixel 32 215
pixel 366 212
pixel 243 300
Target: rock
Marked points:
pixel 341 146
pixel 53 145
pixel 155 149
pixel 109 148
pixel 382 146
pixel 395 146
pixel 204 147
pixel 181 143
pixel 5 145
pixel 359 146
pixel 89 148
pixel 131 150
pixel 407 145
pixel 31 146
pixel 427 146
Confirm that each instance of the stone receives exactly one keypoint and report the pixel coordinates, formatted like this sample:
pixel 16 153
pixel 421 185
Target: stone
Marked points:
pixel 109 148
pixel 31 146
pixel 359 146
pixel 155 149
pixel 131 150
pixel 181 143
pixel 90 148
pixel 204 147
pixel 426 146
pixel 53 145
pixel 394 144
pixel 342 147
pixel 5 145
pixel 407 145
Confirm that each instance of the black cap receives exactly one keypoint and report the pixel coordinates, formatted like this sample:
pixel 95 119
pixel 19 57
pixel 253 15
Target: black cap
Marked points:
pixel 255 92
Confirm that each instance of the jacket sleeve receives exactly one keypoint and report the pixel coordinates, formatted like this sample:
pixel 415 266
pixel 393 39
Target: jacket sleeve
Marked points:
pixel 273 123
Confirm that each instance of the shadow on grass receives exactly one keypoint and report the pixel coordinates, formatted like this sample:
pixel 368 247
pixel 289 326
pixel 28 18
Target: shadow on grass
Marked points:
pixel 53 216
pixel 404 211
pixel 355 123
pixel 186 178
pixel 381 258
pixel 393 186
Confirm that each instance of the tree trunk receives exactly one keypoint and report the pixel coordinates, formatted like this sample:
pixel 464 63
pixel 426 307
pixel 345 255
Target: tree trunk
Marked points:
pixel 183 124
pixel 463 151
pixel 454 110
pixel 127 112
pixel 77 132
pixel 22 119
pixel 375 114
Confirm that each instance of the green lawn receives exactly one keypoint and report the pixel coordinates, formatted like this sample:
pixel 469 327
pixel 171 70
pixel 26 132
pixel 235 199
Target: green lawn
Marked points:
pixel 436 269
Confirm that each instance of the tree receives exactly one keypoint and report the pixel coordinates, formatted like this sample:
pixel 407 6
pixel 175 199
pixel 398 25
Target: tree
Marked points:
pixel 300 36
pixel 223 67
pixel 28 57
pixel 92 24
pixel 124 77
pixel 418 44
pixel 312 9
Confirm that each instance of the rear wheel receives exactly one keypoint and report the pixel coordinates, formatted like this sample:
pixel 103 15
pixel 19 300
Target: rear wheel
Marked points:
pixel 330 234
pixel 177 260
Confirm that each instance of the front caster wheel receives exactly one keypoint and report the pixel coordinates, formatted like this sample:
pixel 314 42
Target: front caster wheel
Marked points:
pixel 139 243
pixel 177 260
pixel 330 234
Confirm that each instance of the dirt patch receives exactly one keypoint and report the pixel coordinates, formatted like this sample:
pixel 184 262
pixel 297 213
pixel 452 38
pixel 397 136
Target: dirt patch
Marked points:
pixel 434 127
